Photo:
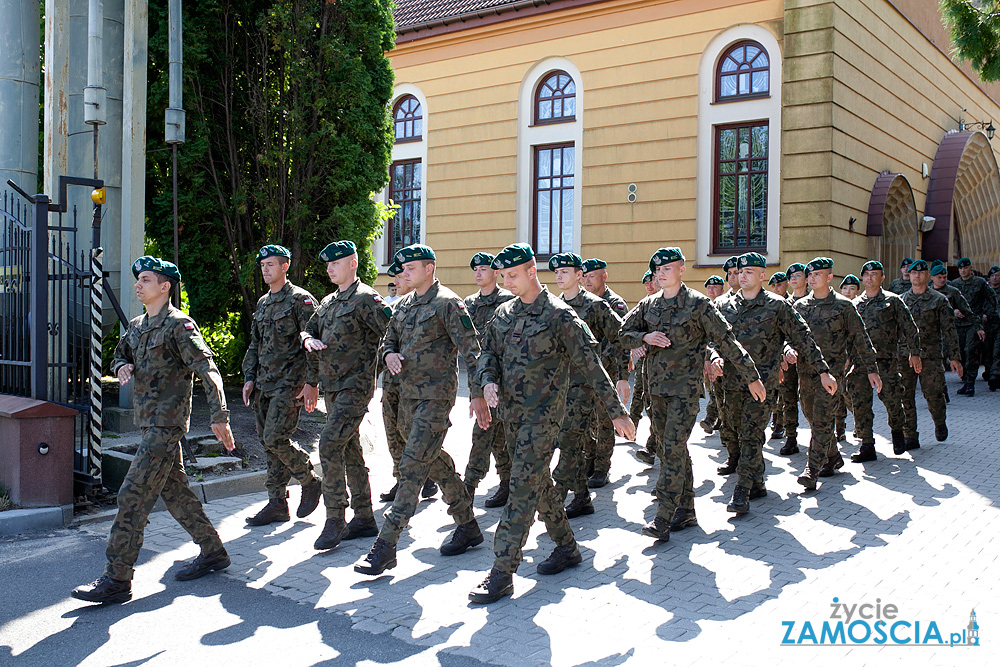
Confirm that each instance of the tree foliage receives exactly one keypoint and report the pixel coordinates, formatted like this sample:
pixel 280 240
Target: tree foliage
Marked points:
pixel 974 26
pixel 288 136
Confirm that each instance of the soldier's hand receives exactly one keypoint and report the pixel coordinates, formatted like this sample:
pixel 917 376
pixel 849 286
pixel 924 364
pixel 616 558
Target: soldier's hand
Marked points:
pixel 624 391
pixel 657 339
pixel 638 353
pixel 784 367
pixel 125 374
pixel 224 434
pixel 791 357
pixel 875 381
pixel 716 369
pixel 394 362
pixel 956 366
pixel 829 383
pixel 482 411
pixel 314 344
pixel 959 313
pixel 981 334
pixel 757 390
pixel 916 363
pixel 247 390
pixel 624 427
pixel 309 396
pixel 491 393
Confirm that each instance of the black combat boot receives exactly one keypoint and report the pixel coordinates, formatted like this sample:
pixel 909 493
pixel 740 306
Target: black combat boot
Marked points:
pixel 202 564
pixel 832 465
pixel 913 443
pixel 598 480
pixel 707 426
pixel 561 558
pixel 359 527
pixel 864 454
pixel 729 467
pixel 430 488
pixel 778 432
pixel 380 558
pixel 740 504
pixel 898 442
pixel 579 506
pixel 791 446
pixel 465 536
pixel 941 432
pixel 275 510
pixel 499 499
pixel 390 495
pixel 333 532
pixel 658 528
pixel 994 382
pixel 309 500
pixel 758 492
pixel 808 479
pixel 496 585
pixel 841 433
pixel 682 519
pixel 646 456
pixel 104 591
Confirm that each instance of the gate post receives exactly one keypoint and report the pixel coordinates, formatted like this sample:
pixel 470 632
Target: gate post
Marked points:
pixel 38 306
pixel 96 333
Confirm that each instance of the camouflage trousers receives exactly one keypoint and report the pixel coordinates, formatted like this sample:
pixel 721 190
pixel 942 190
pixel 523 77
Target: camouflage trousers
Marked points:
pixel 713 411
pixel 601 443
pixel 390 416
pixel 492 440
pixel 640 400
pixel 820 410
pixel 341 456
pixel 750 417
pixel 673 418
pixel 277 418
pixel 969 343
pixel 425 423
pixel 729 432
pixel 574 433
pixel 932 385
pixel 156 471
pixel 859 391
pixel 531 490
pixel 991 348
pixel 788 392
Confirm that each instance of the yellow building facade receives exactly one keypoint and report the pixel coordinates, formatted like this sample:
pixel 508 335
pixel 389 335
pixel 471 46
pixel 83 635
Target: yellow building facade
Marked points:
pixel 611 128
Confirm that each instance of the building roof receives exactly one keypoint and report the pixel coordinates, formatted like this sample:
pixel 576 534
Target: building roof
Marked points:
pixel 410 13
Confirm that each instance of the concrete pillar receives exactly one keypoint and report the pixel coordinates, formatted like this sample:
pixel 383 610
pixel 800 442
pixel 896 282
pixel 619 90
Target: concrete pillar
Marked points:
pixel 55 147
pixel 19 69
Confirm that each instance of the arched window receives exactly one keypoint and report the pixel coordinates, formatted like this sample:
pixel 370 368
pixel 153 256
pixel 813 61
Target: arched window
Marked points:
pixel 744 72
pixel 408 119
pixel 555 99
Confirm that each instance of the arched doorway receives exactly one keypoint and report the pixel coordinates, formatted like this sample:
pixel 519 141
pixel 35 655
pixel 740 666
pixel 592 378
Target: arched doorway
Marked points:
pixel 892 221
pixel 964 197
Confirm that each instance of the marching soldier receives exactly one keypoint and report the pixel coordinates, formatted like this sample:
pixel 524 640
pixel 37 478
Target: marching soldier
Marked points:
pixel 893 334
pixel 901 284
pixel 836 327
pixel 160 350
pixel 675 327
pixel 778 283
pixel 531 347
pixel 732 274
pixel 428 330
pixel 343 338
pixel 850 287
pixel 640 399
pixel 274 370
pixel 482 306
pixel 983 302
pixel 714 287
pixel 993 278
pixel 935 322
pixel 728 432
pixel 789 388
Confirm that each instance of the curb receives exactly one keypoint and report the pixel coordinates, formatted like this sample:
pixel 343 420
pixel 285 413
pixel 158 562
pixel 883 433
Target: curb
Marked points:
pixel 15 522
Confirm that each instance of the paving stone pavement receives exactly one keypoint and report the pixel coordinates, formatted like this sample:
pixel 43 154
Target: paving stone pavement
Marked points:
pixel 918 531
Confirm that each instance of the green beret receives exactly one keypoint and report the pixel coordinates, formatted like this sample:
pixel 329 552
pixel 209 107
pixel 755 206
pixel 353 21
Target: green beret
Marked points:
pixel 965 261
pixel 412 253
pixel 906 262
pixel 936 262
pixel 482 259
pixel 751 259
pixel 938 269
pixel 919 265
pixel 565 260
pixel 731 263
pixel 818 263
pixel 872 265
pixel 338 250
pixel 156 265
pixel 850 279
pixel 394 269
pixel 647 277
pixel 594 264
pixel 665 256
pixel 513 255
pixel 993 269
pixel 273 251
pixel 714 280
pixel 777 277
pixel 795 268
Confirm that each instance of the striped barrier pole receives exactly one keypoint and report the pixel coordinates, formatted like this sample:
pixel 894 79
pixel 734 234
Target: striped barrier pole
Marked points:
pixel 96 332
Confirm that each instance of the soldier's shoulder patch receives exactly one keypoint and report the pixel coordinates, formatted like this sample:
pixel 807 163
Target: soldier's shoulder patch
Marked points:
pixel 308 302
pixel 587 328
pixel 387 311
pixel 466 320
pixel 189 326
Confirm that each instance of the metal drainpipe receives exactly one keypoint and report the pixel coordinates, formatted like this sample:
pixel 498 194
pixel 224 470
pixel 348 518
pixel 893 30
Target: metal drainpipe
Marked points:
pixel 174 119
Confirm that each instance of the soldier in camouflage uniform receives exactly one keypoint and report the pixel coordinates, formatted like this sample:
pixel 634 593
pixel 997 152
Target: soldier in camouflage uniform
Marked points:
pixel 893 334
pixel 778 284
pixel 581 402
pixel 993 278
pixel 971 335
pixel 274 368
pixel 935 322
pixel 675 327
pixel 963 312
pixel 531 348
pixel 850 287
pixel 640 397
pixel 429 329
pixel 482 306
pixel 901 284
pixel 343 340
pixel 789 387
pixel 390 397
pixel 714 287
pixel 615 360
pixel 161 350
pixel 837 328
pixel 761 322
pixel 729 432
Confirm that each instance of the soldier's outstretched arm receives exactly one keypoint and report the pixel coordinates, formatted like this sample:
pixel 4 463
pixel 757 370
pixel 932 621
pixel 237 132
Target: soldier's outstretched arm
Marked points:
pixel 797 334
pixel 947 323
pixel 582 348
pixel 634 327
pixel 721 334
pixel 488 369
pixel 123 363
pixel 908 336
pixel 196 355
pixel 463 334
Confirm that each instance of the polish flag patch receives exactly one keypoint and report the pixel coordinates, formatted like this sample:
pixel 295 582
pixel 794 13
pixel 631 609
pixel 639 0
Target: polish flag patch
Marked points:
pixel 189 326
pixel 308 302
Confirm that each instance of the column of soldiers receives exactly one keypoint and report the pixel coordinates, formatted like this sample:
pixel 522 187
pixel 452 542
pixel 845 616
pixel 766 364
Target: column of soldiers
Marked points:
pixel 543 372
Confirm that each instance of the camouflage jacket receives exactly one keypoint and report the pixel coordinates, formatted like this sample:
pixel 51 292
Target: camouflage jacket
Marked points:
pixel 430 331
pixel 762 325
pixel 958 302
pixel 165 350
pixel 275 358
pixel 604 323
pixel 691 322
pixel 388 378
pixel 614 357
pixel 839 332
pixel 935 321
pixel 898 286
pixel 889 324
pixel 530 351
pixel 482 308
pixel 351 323
pixel 981 298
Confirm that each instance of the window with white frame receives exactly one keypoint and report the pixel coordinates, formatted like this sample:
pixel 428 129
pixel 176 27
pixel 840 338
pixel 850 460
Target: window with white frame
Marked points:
pixel 407 173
